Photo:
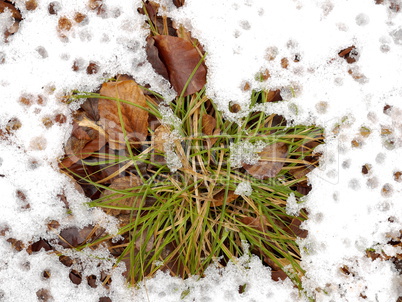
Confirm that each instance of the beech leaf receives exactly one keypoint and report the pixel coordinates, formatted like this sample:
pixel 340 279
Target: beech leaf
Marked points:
pixel 271 161
pixel 180 58
pixel 134 118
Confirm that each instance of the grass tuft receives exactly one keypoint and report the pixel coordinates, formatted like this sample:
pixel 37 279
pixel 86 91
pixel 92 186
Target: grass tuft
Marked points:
pixel 183 212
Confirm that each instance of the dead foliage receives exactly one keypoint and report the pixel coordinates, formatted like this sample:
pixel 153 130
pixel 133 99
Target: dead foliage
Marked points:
pixel 8 6
pixel 270 163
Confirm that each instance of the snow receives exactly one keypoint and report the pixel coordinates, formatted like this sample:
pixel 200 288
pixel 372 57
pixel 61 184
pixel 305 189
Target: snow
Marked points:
pixel 349 211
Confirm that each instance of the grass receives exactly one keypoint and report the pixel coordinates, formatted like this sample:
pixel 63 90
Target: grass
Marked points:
pixel 184 219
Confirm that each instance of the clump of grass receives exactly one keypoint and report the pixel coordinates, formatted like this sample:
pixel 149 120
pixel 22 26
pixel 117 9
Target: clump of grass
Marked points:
pixel 182 220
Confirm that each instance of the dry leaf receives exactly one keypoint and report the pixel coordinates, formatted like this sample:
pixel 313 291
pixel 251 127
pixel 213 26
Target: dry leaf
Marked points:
pixel 219 198
pixel 160 138
pixel 295 228
pixel 153 58
pixel 208 124
pixel 274 96
pixel 255 222
pixel 77 149
pixel 180 59
pixel 122 183
pixel 135 119
pixel 14 12
pixel 270 163
pixel 74 237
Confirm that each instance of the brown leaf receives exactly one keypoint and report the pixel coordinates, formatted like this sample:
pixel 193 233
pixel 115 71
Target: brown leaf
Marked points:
pixel 274 96
pixel 219 198
pixel 295 228
pixel 77 149
pixel 178 3
pixel 270 163
pixel 255 222
pixel 208 124
pixel 135 119
pixel 159 138
pixel 180 59
pixel 350 54
pixel 90 106
pixel 122 183
pixel 74 237
pixel 79 132
pixel 14 12
pixel 153 58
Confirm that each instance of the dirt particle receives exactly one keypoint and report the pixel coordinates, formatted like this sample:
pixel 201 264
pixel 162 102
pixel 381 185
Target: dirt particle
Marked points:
pixel 75 277
pixel 53 224
pixel 54 8
pixel 398 176
pixel 44 295
pixel 366 169
pixel 234 108
pixel 38 143
pixel 387 190
pixel 387 108
pixel 64 24
pixel 79 17
pixel 92 68
pixel 31 5
pixel 246 86
pixel 284 63
pixel 46 274
pixel 60 118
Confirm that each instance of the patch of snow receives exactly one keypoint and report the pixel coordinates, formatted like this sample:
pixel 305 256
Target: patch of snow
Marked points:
pixel 244 188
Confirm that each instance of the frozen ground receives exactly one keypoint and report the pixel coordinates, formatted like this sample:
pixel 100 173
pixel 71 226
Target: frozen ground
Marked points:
pixel 350 211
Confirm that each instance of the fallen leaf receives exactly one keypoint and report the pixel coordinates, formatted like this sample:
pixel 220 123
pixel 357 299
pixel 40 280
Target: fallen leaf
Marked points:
pixel 75 277
pixel 350 54
pixel 135 119
pixel 296 230
pixel 122 183
pixel 38 245
pixel 255 222
pixel 160 135
pixel 74 237
pixel 270 163
pixel 90 106
pixel 77 149
pixel 219 198
pixel 180 58
pixel 178 3
pixel 208 128
pixel 14 12
pixel 208 124
pixel 274 96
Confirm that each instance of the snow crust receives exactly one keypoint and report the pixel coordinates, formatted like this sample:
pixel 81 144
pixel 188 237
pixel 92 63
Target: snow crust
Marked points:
pixel 349 211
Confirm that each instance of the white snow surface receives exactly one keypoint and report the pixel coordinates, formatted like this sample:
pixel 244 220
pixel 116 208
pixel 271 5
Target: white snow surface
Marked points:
pixel 349 211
